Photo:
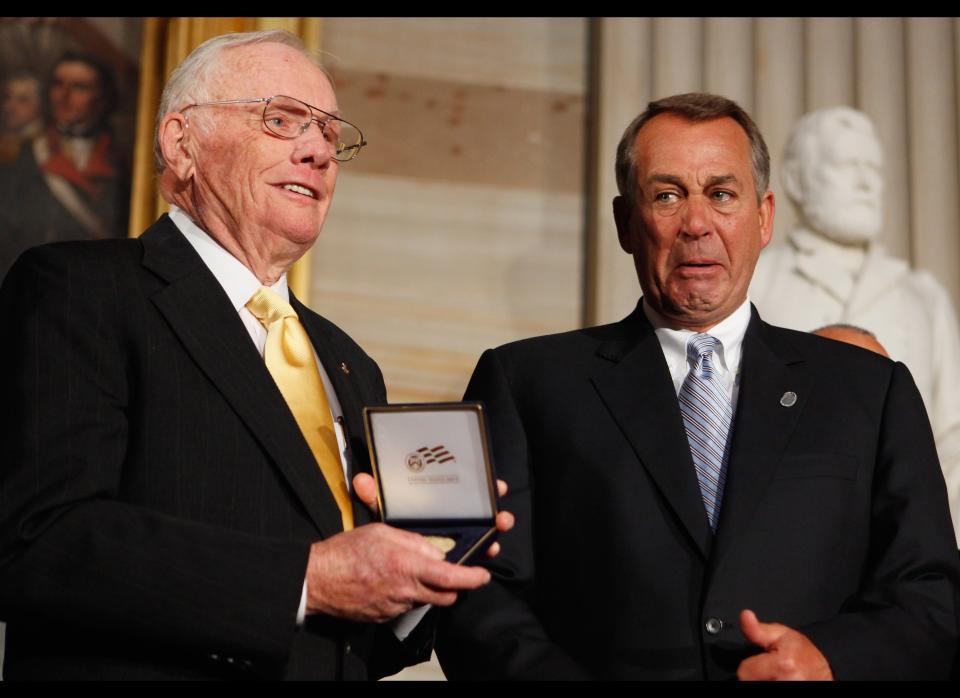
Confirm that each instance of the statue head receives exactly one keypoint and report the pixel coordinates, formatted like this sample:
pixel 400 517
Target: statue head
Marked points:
pixel 832 171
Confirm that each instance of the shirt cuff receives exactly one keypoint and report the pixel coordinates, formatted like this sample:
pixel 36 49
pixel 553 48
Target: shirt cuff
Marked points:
pixel 403 625
pixel 302 611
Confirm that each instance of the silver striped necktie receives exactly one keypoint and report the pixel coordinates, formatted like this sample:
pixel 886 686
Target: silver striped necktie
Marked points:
pixel 706 417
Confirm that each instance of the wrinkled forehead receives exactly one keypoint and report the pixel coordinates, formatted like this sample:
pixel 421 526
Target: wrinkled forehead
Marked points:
pixel 674 141
pixel 265 70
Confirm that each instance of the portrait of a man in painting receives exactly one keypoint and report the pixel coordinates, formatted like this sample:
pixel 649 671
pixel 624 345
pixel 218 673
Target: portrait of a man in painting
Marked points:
pixel 68 90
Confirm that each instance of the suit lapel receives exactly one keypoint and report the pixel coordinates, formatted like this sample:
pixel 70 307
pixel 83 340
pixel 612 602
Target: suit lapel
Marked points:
pixel 202 317
pixel 634 383
pixel 770 368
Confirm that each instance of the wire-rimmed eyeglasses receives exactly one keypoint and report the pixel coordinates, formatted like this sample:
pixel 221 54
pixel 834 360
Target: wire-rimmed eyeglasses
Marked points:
pixel 289 118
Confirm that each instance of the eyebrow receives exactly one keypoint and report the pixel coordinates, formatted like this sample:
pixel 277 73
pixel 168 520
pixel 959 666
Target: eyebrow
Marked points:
pixel 666 179
pixel 675 180
pixel 721 179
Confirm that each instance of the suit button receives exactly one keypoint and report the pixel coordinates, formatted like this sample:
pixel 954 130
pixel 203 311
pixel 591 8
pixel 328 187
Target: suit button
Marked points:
pixel 346 648
pixel 713 626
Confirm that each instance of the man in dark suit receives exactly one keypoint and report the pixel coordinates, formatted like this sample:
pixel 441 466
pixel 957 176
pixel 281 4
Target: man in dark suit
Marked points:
pixel 700 495
pixel 162 512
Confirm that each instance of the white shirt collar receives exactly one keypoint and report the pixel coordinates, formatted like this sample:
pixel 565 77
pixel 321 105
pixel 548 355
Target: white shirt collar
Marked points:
pixel 729 332
pixel 237 281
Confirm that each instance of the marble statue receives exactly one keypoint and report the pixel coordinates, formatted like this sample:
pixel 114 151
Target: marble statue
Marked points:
pixel 832 269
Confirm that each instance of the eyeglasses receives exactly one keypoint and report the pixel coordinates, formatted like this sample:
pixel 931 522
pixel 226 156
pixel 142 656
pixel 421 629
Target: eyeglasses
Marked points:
pixel 290 118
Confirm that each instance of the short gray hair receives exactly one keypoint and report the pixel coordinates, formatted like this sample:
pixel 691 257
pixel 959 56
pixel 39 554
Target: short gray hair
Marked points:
pixel 192 80
pixel 696 107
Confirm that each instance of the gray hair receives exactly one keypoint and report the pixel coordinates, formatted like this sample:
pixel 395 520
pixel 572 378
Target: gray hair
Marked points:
pixel 192 81
pixel 696 107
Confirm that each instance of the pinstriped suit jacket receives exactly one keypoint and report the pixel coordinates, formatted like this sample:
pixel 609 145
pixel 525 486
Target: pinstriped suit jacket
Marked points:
pixel 157 500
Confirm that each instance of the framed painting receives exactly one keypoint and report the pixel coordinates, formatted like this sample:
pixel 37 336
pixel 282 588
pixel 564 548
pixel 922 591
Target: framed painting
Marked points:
pixel 69 88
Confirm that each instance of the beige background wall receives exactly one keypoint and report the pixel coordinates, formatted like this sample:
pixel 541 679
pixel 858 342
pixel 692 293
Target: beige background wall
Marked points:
pixel 460 226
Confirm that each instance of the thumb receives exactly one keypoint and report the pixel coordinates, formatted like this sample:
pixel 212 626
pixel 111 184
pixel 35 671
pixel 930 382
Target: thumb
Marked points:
pixel 366 488
pixel 762 634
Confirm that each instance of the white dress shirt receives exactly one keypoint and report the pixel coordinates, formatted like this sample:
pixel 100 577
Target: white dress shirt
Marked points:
pixel 239 283
pixel 726 364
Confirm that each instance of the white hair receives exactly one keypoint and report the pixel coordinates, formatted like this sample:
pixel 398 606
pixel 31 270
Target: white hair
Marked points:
pixel 192 81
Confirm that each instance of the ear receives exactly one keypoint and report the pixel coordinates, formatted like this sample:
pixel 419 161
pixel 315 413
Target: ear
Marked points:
pixel 621 215
pixel 768 206
pixel 174 135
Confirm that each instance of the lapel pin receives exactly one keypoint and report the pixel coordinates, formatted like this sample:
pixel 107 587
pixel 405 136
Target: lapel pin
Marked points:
pixel 346 369
pixel 789 399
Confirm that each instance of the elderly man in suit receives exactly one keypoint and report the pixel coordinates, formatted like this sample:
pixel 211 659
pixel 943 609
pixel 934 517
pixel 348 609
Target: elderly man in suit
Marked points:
pixel 181 431
pixel 701 495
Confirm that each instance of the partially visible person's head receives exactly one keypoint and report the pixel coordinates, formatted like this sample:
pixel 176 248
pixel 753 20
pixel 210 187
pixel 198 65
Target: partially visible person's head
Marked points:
pixel 851 334
pixel 833 172
pixel 694 209
pixel 81 92
pixel 22 104
pixel 224 166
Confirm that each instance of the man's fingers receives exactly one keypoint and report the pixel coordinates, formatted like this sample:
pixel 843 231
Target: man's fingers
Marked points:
pixel 435 597
pixel 761 634
pixel 366 488
pixel 379 533
pixel 750 626
pixel 493 550
pixel 447 576
pixel 505 521
pixel 501 488
pixel 760 667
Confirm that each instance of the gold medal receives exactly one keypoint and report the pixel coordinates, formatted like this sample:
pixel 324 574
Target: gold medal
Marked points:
pixel 441 543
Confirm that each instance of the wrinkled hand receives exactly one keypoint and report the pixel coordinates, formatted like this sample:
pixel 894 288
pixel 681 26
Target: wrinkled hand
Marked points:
pixel 376 572
pixel 787 654
pixel 366 488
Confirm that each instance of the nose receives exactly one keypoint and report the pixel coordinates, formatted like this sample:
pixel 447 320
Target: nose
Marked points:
pixel 312 148
pixel 696 220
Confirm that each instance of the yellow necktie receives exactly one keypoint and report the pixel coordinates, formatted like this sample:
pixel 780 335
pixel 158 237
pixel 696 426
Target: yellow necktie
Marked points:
pixel 289 358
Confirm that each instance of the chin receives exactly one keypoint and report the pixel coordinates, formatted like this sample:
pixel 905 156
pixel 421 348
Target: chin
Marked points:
pixel 300 231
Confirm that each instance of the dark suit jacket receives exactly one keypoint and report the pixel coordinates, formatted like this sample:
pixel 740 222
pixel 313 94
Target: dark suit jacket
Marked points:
pixel 157 500
pixel 834 520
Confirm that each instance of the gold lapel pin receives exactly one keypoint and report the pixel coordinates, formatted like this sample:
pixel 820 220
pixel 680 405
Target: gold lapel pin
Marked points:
pixel 344 367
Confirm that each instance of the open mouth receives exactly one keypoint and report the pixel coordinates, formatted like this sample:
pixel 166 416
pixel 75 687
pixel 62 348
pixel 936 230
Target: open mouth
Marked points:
pixel 696 267
pixel 300 189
